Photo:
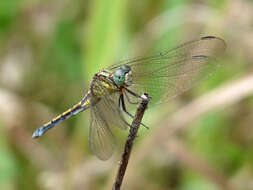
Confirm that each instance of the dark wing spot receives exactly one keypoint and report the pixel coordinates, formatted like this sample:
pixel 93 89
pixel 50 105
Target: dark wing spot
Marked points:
pixel 199 56
pixel 207 37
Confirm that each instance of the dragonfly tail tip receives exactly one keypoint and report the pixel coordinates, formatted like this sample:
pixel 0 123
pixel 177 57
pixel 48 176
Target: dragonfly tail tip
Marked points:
pixel 38 133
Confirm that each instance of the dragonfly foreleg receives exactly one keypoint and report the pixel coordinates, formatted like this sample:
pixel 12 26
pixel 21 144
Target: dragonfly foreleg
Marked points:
pixel 129 100
pixel 121 99
pixel 132 93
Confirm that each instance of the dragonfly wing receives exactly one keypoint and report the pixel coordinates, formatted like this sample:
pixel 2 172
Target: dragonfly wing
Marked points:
pixel 166 82
pixel 104 115
pixel 109 108
pixel 171 72
pixel 101 139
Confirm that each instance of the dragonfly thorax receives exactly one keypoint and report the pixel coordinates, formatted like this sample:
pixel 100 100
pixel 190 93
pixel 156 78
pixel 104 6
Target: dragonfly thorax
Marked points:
pixel 123 76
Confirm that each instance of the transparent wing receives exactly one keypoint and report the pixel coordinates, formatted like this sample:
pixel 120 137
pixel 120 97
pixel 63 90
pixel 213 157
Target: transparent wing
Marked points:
pixel 104 115
pixel 171 72
pixel 101 139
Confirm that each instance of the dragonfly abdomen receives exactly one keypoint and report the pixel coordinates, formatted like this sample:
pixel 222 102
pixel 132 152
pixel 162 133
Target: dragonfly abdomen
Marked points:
pixel 81 106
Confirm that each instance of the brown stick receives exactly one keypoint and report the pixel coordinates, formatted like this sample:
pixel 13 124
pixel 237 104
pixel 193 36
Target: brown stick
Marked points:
pixel 130 140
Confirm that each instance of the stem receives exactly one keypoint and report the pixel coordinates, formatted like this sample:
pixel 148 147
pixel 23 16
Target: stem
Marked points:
pixel 130 140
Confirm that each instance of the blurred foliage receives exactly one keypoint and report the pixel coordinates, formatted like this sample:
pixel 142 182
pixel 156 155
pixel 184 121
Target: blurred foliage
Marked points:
pixel 49 50
pixel 8 163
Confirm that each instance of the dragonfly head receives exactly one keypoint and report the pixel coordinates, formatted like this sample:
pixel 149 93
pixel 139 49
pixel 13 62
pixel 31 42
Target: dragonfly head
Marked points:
pixel 123 76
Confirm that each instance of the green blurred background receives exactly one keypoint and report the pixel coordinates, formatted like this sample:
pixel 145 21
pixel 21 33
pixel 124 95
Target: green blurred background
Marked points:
pixel 49 50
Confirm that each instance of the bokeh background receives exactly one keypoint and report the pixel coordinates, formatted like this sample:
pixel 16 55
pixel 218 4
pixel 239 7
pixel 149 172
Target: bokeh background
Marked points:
pixel 49 50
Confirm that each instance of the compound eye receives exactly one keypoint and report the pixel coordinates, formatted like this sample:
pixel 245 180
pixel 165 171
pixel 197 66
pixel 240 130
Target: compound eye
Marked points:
pixel 119 77
pixel 128 78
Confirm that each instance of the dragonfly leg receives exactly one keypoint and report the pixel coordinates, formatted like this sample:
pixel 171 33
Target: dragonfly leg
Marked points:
pixel 119 103
pixel 129 100
pixel 121 99
pixel 132 93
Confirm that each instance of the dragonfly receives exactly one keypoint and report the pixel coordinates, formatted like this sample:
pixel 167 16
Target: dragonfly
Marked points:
pixel 162 76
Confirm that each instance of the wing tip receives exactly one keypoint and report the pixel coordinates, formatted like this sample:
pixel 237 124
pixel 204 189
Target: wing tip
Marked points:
pixel 217 38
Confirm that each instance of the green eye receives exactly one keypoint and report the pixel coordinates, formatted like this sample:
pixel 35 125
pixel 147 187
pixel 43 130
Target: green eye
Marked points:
pixel 119 77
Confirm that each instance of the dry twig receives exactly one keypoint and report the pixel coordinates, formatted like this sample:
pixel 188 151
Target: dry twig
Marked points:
pixel 130 140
